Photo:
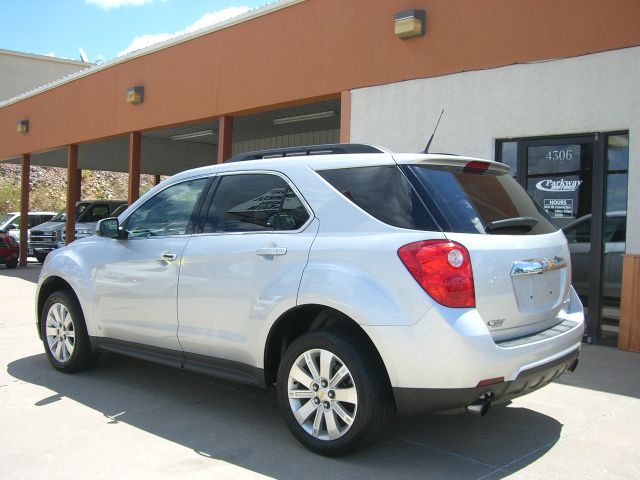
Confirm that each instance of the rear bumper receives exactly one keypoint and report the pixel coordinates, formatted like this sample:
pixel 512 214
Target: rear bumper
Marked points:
pixel 411 401
pixel 438 363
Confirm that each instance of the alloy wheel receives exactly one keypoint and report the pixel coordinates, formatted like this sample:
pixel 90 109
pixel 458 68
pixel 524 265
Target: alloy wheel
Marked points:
pixel 322 394
pixel 60 332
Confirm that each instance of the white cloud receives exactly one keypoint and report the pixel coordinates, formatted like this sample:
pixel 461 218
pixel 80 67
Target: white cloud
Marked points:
pixel 208 19
pixel 107 4
pixel 50 54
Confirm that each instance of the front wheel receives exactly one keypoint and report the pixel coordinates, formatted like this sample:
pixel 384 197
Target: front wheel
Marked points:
pixel 12 264
pixel 64 333
pixel 40 258
pixel 332 392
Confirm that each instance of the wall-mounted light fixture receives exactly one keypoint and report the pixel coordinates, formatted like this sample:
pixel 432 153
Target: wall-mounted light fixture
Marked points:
pixel 22 126
pixel 135 95
pixel 186 136
pixel 410 23
pixel 304 118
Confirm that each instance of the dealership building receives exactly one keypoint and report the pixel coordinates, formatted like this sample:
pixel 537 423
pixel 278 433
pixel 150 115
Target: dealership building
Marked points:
pixel 549 88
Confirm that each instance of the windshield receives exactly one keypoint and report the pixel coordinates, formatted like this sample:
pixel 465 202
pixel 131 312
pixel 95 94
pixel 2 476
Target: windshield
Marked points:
pixel 62 216
pixel 478 201
pixel 6 218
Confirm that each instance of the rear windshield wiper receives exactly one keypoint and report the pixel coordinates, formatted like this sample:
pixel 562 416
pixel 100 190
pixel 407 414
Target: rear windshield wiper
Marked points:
pixel 516 223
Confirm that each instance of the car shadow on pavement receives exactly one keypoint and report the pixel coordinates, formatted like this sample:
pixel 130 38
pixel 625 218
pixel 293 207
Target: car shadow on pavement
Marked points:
pixel 29 273
pixel 242 425
pixel 606 369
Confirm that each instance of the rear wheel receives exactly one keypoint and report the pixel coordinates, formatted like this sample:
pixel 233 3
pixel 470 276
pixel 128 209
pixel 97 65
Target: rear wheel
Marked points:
pixel 12 264
pixel 332 392
pixel 64 333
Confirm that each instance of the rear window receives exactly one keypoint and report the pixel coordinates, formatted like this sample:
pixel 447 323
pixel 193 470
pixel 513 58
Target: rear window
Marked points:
pixel 442 198
pixel 476 201
pixel 384 193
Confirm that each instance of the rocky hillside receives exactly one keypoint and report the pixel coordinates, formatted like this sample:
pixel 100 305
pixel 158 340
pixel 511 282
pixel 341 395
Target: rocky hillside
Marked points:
pixel 49 184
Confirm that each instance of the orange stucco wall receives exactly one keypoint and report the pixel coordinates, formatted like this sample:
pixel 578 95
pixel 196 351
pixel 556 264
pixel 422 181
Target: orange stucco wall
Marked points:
pixel 313 49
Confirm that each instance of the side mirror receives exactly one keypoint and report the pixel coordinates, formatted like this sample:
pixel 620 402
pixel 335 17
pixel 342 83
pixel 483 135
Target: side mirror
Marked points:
pixel 108 228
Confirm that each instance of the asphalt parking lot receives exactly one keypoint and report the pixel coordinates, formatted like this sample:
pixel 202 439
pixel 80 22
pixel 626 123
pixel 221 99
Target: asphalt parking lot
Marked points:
pixel 131 419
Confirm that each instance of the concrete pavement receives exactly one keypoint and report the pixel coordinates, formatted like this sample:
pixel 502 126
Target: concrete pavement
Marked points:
pixel 131 419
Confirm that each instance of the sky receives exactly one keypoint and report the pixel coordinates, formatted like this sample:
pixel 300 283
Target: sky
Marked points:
pixel 105 29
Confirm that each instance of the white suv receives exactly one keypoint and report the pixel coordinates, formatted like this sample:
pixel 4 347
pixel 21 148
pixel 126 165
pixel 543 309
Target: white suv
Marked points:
pixel 357 281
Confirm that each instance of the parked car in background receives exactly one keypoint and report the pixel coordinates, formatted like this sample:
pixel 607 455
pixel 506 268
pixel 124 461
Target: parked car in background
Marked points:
pixel 11 222
pixel 49 236
pixel 119 210
pixel 9 250
pixel 578 235
pixel 356 280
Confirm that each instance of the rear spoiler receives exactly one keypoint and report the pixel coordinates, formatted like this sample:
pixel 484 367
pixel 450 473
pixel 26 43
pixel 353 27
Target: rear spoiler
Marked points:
pixel 471 163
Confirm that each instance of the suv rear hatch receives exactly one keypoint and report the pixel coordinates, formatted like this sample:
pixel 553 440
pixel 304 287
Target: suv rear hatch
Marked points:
pixel 520 260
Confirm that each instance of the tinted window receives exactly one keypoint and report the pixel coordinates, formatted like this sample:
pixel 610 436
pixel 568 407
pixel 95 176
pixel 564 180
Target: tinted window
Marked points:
pixel 94 213
pixel 292 215
pixel 62 216
pixel 384 193
pixel 33 220
pixel 118 210
pixel 254 202
pixel 166 213
pixel 476 201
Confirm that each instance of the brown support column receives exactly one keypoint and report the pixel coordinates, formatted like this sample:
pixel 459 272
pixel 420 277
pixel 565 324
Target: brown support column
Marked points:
pixel 79 184
pixel 24 207
pixel 156 179
pixel 135 150
pixel 72 191
pixel 345 117
pixel 225 138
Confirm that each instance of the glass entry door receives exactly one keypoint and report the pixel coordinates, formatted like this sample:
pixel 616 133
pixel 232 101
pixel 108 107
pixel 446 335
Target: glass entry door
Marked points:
pixel 581 182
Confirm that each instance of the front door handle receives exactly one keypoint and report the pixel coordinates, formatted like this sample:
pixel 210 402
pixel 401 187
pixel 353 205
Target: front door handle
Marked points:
pixel 169 257
pixel 271 251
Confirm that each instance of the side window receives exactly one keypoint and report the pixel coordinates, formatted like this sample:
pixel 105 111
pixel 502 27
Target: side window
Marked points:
pixel 254 202
pixel 293 215
pixel 96 212
pixel 166 213
pixel 33 221
pixel 384 193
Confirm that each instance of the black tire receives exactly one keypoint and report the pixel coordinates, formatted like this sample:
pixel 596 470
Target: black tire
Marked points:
pixel 374 402
pixel 13 264
pixel 82 357
pixel 40 258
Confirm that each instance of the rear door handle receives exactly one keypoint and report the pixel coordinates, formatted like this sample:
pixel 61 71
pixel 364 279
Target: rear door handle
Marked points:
pixel 169 257
pixel 271 251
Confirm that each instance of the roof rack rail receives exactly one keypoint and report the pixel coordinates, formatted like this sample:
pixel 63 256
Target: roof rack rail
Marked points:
pixel 328 149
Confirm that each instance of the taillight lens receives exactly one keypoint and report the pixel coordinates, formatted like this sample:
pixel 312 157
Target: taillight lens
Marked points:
pixel 443 270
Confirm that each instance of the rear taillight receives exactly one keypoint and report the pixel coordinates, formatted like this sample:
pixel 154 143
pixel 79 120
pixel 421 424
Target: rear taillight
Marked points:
pixel 443 270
